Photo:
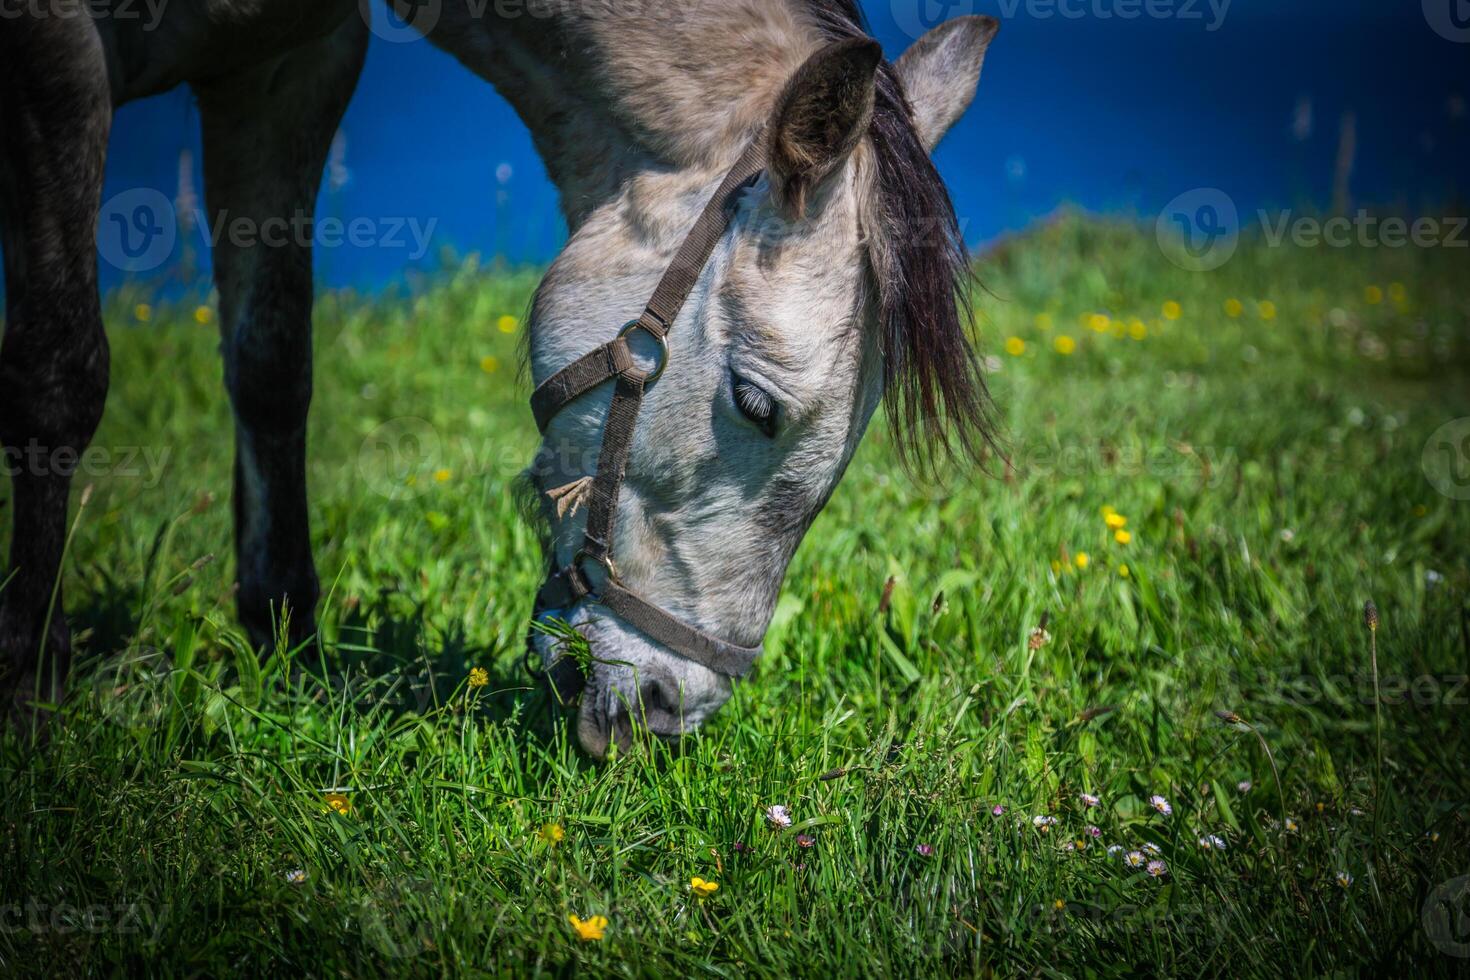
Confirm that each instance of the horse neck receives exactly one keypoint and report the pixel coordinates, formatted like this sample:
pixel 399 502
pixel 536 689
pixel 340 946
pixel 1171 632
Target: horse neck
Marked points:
pixel 678 84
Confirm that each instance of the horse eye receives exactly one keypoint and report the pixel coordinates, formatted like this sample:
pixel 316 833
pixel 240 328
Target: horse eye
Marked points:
pixel 755 403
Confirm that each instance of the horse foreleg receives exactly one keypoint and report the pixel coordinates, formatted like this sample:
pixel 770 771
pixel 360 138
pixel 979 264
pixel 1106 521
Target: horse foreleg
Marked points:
pixel 267 132
pixel 54 124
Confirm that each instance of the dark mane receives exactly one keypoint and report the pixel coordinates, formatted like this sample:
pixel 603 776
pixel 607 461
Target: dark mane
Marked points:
pixel 936 394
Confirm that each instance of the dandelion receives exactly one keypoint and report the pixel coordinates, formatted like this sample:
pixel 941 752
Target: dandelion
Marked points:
pixel 1233 308
pixel 1266 309
pixel 1082 559
pixel 1114 520
pixel 589 930
pixel 1015 346
pixel 1121 536
pixel 1059 905
pixel 778 816
pixel 507 324
pixel 1064 345
pixel 702 888
pixel 1172 310
pixel 202 315
pixel 552 834
pixel 296 876
pixel 1088 800
pixel 1157 868
pixel 997 810
pixel 338 803
pixel 479 677
pixel 1137 329
pixel 489 364
pixel 143 312
pixel 1344 880
pixel 1160 804
pixel 1123 571
pixel 925 850
pixel 1397 292
pixel 1099 322
pixel 805 840
pixel 1244 786
pixel 1134 859
pixel 1373 295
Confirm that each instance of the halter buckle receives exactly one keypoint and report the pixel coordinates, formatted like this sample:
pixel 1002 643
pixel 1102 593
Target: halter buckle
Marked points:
pixel 605 561
pixel 663 343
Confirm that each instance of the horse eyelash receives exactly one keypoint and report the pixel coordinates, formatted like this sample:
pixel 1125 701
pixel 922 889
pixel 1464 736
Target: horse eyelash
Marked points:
pixel 756 404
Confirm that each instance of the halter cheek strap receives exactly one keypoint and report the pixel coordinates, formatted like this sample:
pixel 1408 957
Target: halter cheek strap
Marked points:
pixel 613 361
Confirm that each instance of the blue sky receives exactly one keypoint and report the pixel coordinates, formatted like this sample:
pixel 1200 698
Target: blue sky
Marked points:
pixel 1077 105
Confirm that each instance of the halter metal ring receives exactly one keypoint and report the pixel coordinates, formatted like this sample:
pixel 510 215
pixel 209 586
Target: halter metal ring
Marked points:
pixel 605 561
pixel 663 343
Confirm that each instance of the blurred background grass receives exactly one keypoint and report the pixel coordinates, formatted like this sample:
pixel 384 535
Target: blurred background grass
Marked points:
pixel 1260 429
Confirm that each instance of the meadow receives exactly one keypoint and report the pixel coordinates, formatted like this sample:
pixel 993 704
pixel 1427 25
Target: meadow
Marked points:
pixel 1114 708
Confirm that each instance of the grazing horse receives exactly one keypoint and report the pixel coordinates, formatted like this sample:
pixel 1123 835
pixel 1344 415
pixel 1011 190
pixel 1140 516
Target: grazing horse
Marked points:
pixel 761 155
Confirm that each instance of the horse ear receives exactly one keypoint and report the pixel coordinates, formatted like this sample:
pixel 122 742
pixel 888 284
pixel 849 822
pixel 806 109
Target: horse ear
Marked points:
pixel 940 70
pixel 820 115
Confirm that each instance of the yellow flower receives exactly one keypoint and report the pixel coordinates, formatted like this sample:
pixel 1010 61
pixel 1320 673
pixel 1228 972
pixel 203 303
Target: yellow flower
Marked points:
pixel 1015 346
pixel 1267 309
pixel 1137 329
pixel 1234 308
pixel 479 677
pixel 507 324
pixel 442 476
pixel 202 315
pixel 489 364
pixel 1043 321
pixel 143 312
pixel 1373 295
pixel 1098 322
pixel 589 930
pixel 1123 570
pixel 339 803
pixel 1056 566
pixel 1064 344
pixel 702 888
pixel 1059 905
pixel 552 834
pixel 1115 520
pixel 1397 292
pixel 1172 310
pixel 1082 559
pixel 1107 509
pixel 1121 536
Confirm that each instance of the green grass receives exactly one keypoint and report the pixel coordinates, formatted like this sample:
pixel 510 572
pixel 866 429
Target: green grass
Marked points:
pixel 1270 472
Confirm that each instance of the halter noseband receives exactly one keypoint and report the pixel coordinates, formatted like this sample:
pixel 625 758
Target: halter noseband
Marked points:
pixel 613 361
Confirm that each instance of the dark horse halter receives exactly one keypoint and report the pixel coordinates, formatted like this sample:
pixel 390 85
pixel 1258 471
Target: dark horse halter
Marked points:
pixel 613 361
